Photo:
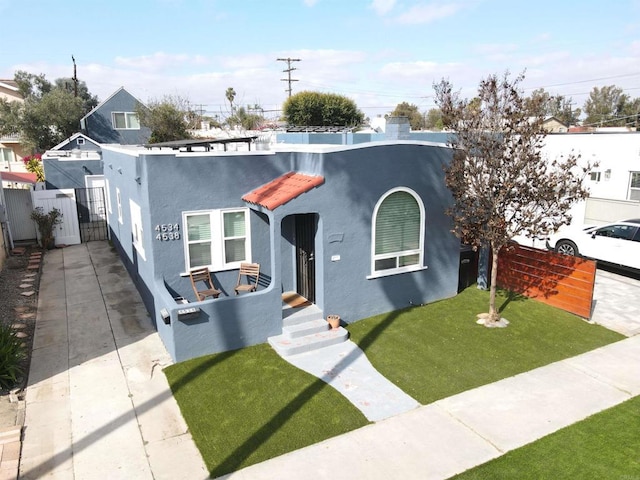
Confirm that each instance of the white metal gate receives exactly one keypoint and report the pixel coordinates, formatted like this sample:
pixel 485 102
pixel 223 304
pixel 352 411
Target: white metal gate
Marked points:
pixel 19 207
pixel 68 232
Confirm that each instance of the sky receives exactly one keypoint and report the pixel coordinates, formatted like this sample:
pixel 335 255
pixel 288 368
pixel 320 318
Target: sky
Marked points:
pixel 378 53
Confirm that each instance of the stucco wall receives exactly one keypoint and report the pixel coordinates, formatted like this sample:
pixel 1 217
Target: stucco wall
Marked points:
pixel 355 179
pixel 69 173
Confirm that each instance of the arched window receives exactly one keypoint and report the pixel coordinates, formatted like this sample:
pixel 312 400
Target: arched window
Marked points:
pixel 398 233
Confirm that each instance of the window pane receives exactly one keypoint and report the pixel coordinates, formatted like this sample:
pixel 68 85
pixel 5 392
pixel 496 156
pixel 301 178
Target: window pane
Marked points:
pixel 397 224
pixel 198 227
pixel 234 225
pixel 234 250
pixel 133 120
pixel 199 254
pixel 409 260
pixel 119 120
pixel 385 263
pixel 635 179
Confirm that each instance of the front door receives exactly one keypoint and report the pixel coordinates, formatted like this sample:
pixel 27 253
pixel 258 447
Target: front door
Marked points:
pixel 305 228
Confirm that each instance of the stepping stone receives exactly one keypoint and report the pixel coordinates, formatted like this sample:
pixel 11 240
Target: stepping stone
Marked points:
pixel 25 285
pixel 33 267
pixel 19 326
pixel 27 294
pixel 30 274
pixel 21 309
pixel 18 251
pixel 31 279
pixel 26 316
pixel 21 335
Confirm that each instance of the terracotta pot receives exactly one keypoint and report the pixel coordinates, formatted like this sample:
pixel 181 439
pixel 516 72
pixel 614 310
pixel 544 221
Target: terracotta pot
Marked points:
pixel 334 321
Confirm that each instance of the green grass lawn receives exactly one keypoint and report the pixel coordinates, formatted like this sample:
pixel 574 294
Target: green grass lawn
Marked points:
pixel 437 350
pixel 249 405
pixel 605 445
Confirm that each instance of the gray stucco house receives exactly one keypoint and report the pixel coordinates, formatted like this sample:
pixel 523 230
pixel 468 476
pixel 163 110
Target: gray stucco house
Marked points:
pixel 356 229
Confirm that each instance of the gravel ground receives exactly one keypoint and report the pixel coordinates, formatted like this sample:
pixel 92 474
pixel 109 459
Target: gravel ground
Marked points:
pixel 18 311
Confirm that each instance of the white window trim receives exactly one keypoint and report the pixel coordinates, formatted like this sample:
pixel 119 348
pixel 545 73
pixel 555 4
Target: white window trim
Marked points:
pixel 119 202
pixel 126 121
pixel 216 218
pixel 411 268
pixel 107 193
pixel 136 228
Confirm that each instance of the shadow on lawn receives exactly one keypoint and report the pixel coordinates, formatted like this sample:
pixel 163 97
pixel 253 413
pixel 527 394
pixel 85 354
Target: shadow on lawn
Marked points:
pixel 235 459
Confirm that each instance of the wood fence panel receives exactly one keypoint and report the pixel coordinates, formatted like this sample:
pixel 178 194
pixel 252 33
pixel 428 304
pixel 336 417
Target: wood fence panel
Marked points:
pixel 559 280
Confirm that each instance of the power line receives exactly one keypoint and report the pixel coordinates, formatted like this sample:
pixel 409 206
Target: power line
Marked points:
pixel 288 70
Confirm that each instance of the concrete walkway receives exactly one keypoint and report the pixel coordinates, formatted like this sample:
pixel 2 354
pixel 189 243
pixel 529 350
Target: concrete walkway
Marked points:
pixel 97 403
pixel 346 368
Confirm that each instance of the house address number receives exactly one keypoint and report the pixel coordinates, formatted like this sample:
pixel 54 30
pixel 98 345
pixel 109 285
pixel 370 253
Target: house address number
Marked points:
pixel 167 231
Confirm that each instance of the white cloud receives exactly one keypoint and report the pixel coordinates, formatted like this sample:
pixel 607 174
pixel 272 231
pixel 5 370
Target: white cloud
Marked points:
pixel 382 7
pixel 428 13
pixel 160 61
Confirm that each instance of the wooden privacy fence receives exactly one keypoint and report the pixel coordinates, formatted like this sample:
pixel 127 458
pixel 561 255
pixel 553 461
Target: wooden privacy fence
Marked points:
pixel 559 280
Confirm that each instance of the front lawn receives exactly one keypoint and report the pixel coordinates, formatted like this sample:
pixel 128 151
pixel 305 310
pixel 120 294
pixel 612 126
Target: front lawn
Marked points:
pixel 249 405
pixel 438 350
pixel 605 445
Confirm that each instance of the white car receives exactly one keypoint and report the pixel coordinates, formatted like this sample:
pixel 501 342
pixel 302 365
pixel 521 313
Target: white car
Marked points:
pixel 615 243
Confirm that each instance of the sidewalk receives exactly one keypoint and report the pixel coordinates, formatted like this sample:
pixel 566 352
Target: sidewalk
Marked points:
pixel 97 403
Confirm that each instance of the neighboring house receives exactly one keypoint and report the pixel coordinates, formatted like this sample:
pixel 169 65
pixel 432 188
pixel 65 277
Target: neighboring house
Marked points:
pixel 614 184
pixel 11 150
pixel 115 121
pixel 554 125
pixel 357 229
pixel 72 163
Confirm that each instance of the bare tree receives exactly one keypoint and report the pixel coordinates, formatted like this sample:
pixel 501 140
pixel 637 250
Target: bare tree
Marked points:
pixel 501 183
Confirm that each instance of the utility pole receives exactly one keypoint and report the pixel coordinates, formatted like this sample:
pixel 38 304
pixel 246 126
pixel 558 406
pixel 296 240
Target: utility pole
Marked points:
pixel 75 78
pixel 289 69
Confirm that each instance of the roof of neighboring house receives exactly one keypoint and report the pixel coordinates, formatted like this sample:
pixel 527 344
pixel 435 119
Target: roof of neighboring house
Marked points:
pixel 283 189
pixel 10 84
pixel 202 142
pixel 72 138
pixel 19 177
pixel 107 99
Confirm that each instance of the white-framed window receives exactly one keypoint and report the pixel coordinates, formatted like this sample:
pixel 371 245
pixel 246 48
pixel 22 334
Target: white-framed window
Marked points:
pixel 136 228
pixel 80 141
pixel 397 233
pixel 6 156
pixel 634 185
pixel 218 239
pixel 119 203
pixel 125 121
pixel 594 176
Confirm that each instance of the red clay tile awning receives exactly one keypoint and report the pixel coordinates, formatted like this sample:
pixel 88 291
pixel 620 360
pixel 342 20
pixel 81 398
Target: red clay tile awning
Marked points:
pixel 19 177
pixel 283 189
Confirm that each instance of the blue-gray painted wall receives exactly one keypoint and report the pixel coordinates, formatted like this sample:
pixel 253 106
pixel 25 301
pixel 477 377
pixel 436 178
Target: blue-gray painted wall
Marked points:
pixel 69 173
pixel 355 179
pixel 98 123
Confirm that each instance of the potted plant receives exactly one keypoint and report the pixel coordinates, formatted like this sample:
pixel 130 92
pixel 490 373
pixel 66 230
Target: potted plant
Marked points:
pixel 334 321
pixel 46 223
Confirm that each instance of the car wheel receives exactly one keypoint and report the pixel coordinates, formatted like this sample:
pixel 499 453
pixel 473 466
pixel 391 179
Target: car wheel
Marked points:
pixel 567 247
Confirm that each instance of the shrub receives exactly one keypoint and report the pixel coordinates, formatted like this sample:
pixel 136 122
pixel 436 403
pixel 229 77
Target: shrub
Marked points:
pixel 46 222
pixel 12 353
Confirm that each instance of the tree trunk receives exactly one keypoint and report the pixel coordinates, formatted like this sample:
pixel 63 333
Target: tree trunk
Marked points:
pixel 494 314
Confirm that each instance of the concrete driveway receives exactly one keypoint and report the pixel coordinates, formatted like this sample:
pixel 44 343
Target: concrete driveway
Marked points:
pixel 616 301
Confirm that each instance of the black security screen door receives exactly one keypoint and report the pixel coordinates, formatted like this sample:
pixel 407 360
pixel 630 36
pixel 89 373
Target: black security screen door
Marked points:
pixel 306 226
pixel 92 213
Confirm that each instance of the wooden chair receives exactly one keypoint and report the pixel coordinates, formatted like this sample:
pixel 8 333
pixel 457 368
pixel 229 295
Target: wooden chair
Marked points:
pixel 249 273
pixel 203 275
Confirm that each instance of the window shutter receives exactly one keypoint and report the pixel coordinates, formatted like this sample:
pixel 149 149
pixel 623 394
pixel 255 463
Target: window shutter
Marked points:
pixel 397 224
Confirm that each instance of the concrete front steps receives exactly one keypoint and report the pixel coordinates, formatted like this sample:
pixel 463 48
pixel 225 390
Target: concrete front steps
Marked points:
pixel 305 330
